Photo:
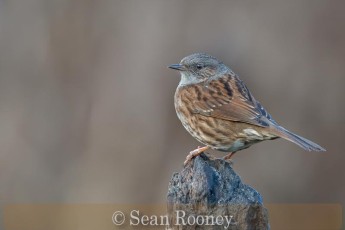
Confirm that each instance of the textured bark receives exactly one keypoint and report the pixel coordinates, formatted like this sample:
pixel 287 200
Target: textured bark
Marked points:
pixel 210 188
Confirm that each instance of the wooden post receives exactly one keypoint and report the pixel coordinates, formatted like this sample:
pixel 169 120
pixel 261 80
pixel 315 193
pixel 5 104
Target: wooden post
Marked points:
pixel 208 194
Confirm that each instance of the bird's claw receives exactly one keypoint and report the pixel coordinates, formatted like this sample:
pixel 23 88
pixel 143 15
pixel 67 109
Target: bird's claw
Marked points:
pixel 194 153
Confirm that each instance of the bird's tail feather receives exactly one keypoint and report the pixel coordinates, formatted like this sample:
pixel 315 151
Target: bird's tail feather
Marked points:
pixel 298 140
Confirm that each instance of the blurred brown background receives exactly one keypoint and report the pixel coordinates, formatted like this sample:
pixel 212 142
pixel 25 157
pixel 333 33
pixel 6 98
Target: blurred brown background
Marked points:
pixel 86 100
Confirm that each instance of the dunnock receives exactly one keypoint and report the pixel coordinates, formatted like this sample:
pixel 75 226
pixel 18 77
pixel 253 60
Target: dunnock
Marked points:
pixel 218 110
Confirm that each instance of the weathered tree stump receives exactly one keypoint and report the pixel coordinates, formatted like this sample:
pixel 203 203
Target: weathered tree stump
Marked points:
pixel 208 194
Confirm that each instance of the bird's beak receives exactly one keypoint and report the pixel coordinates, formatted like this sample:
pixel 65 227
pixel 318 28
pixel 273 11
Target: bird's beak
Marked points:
pixel 177 67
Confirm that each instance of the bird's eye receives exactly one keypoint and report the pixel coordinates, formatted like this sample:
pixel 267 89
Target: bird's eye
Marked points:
pixel 199 66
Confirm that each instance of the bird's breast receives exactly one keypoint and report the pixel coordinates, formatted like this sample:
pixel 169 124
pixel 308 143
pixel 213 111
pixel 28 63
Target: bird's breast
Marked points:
pixel 184 109
pixel 207 130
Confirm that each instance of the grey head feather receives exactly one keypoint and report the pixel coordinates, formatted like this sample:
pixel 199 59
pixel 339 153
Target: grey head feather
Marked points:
pixel 200 67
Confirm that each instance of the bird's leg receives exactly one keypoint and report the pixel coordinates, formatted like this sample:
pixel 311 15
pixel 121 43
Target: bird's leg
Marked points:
pixel 194 153
pixel 228 156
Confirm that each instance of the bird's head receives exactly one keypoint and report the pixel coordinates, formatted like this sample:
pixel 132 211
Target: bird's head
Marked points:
pixel 199 67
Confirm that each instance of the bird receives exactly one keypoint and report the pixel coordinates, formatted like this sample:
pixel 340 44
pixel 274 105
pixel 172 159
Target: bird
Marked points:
pixel 218 110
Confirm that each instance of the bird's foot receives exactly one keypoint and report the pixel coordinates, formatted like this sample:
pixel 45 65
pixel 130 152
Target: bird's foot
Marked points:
pixel 194 153
pixel 227 157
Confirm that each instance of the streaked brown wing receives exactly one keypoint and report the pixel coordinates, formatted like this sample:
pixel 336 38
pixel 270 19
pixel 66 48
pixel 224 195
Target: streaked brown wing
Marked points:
pixel 228 98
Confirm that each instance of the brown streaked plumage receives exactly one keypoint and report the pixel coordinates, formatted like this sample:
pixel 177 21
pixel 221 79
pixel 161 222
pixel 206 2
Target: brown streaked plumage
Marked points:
pixel 218 110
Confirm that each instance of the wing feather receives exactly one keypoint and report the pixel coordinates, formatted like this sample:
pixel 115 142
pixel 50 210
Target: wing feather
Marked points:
pixel 228 98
